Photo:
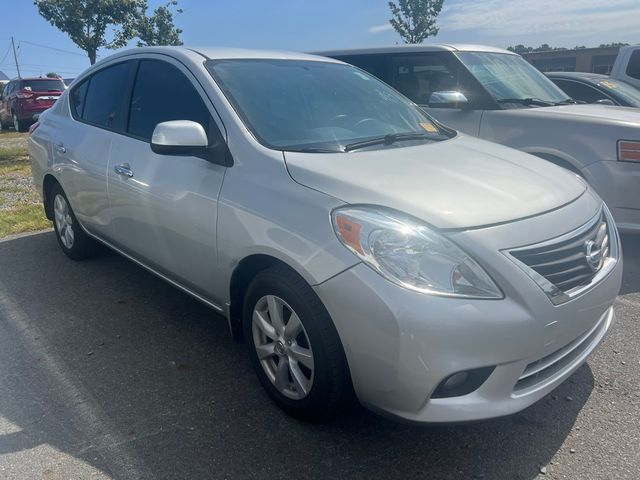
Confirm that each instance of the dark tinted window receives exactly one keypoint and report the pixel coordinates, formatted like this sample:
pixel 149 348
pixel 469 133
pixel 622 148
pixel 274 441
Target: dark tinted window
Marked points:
pixel 162 93
pixel 580 91
pixel 44 85
pixel 633 69
pixel 377 65
pixel 103 102
pixel 77 98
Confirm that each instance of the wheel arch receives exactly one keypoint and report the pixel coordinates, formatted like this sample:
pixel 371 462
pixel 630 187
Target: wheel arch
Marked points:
pixel 241 276
pixel 47 184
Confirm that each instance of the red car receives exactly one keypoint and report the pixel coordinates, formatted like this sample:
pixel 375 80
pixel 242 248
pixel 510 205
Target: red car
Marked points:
pixel 24 99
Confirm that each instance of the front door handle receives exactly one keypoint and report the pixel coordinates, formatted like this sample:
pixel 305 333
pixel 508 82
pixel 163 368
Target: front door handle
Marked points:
pixel 123 170
pixel 60 148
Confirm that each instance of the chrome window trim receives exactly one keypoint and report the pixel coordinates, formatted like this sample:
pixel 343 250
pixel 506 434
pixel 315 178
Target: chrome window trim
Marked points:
pixel 557 296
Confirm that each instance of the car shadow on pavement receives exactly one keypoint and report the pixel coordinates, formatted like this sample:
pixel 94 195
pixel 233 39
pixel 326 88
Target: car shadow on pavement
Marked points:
pixel 121 372
pixel 631 254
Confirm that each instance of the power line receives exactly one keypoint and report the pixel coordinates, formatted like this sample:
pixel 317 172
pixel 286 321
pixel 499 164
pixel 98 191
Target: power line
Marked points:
pixel 51 48
pixel 6 54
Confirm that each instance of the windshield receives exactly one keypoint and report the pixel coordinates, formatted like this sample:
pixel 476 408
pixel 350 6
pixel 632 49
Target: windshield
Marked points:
pixel 318 106
pixel 511 77
pixel 621 90
pixel 42 85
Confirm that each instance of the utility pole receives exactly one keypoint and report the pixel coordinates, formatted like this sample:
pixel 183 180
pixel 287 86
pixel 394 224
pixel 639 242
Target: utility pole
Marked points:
pixel 15 57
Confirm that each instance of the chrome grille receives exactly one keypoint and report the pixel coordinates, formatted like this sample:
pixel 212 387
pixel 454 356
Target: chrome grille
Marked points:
pixel 571 262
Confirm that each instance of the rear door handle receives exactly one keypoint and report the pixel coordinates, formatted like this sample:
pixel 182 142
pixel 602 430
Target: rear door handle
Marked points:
pixel 123 170
pixel 60 148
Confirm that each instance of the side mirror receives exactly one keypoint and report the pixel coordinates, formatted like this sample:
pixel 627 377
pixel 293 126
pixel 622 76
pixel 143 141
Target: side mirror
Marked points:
pixel 449 99
pixel 605 101
pixel 189 139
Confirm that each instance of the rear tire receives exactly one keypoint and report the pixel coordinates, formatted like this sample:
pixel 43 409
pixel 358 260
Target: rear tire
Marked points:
pixel 301 364
pixel 75 243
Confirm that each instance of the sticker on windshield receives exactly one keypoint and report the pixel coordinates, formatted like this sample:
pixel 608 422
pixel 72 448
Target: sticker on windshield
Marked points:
pixel 429 127
pixel 608 84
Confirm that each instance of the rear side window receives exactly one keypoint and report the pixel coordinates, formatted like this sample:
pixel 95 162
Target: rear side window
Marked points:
pixel 633 68
pixel 78 95
pixel 163 93
pixel 103 100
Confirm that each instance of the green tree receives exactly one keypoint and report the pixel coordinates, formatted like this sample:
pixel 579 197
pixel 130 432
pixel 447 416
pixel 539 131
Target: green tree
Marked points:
pixel 415 20
pixel 158 29
pixel 86 21
pixel 53 75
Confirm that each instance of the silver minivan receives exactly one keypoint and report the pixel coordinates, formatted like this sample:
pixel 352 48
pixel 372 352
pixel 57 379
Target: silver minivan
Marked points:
pixel 352 241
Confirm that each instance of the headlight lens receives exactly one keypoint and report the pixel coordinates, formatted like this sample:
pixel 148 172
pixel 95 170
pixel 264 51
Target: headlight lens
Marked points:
pixel 410 254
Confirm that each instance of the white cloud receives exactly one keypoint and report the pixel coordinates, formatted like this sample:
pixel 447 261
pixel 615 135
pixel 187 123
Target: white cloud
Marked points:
pixel 385 27
pixel 558 19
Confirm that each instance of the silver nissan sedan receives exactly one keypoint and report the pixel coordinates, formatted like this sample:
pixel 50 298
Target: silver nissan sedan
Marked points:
pixel 353 242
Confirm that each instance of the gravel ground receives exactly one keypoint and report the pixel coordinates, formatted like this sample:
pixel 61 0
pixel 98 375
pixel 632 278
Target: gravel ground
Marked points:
pixel 108 372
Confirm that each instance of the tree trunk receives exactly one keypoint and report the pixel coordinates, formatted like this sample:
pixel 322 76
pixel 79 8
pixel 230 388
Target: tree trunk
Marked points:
pixel 92 56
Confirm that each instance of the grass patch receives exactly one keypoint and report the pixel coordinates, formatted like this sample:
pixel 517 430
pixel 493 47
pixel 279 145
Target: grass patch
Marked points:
pixel 20 207
pixel 25 218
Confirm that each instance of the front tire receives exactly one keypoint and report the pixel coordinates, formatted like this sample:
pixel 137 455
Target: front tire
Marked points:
pixel 18 125
pixel 75 243
pixel 294 346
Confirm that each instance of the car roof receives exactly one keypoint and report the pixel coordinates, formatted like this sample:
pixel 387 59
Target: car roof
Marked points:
pixel 434 47
pixel 222 53
pixel 577 75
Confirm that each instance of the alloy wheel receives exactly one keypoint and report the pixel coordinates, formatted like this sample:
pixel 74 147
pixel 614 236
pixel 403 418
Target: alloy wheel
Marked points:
pixel 283 347
pixel 64 222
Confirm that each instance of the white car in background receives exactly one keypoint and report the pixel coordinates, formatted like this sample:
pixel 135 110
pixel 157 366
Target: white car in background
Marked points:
pixel 627 65
pixel 496 95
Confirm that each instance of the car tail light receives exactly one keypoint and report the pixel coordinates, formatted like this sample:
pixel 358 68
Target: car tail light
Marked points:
pixel 24 94
pixel 33 127
pixel 628 151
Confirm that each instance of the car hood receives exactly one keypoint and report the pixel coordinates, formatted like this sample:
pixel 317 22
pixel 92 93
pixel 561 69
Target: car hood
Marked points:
pixel 460 183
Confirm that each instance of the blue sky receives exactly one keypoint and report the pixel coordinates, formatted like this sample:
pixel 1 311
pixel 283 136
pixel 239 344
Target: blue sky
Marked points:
pixel 313 24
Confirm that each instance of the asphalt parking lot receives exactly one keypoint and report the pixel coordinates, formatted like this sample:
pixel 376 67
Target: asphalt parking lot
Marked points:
pixel 108 372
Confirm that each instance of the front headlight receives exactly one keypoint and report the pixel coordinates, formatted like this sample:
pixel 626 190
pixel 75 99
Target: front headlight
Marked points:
pixel 410 254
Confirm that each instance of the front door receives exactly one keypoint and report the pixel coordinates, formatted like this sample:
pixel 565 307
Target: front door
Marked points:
pixel 164 207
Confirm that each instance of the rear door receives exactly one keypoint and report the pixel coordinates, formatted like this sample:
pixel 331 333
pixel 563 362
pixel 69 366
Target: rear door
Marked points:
pixel 82 142
pixel 164 211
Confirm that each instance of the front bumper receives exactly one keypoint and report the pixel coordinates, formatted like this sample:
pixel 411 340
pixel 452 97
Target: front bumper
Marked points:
pixel 401 345
pixel 618 183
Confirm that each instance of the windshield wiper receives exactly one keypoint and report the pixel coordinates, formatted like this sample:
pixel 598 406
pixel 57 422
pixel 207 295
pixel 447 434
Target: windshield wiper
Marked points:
pixel 527 101
pixel 388 140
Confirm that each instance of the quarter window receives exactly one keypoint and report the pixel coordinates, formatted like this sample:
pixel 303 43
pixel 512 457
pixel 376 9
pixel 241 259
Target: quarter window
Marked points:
pixel 103 100
pixel 163 93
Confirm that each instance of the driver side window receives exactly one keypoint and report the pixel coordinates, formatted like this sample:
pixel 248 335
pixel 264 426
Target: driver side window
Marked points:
pixel 162 93
pixel 419 76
